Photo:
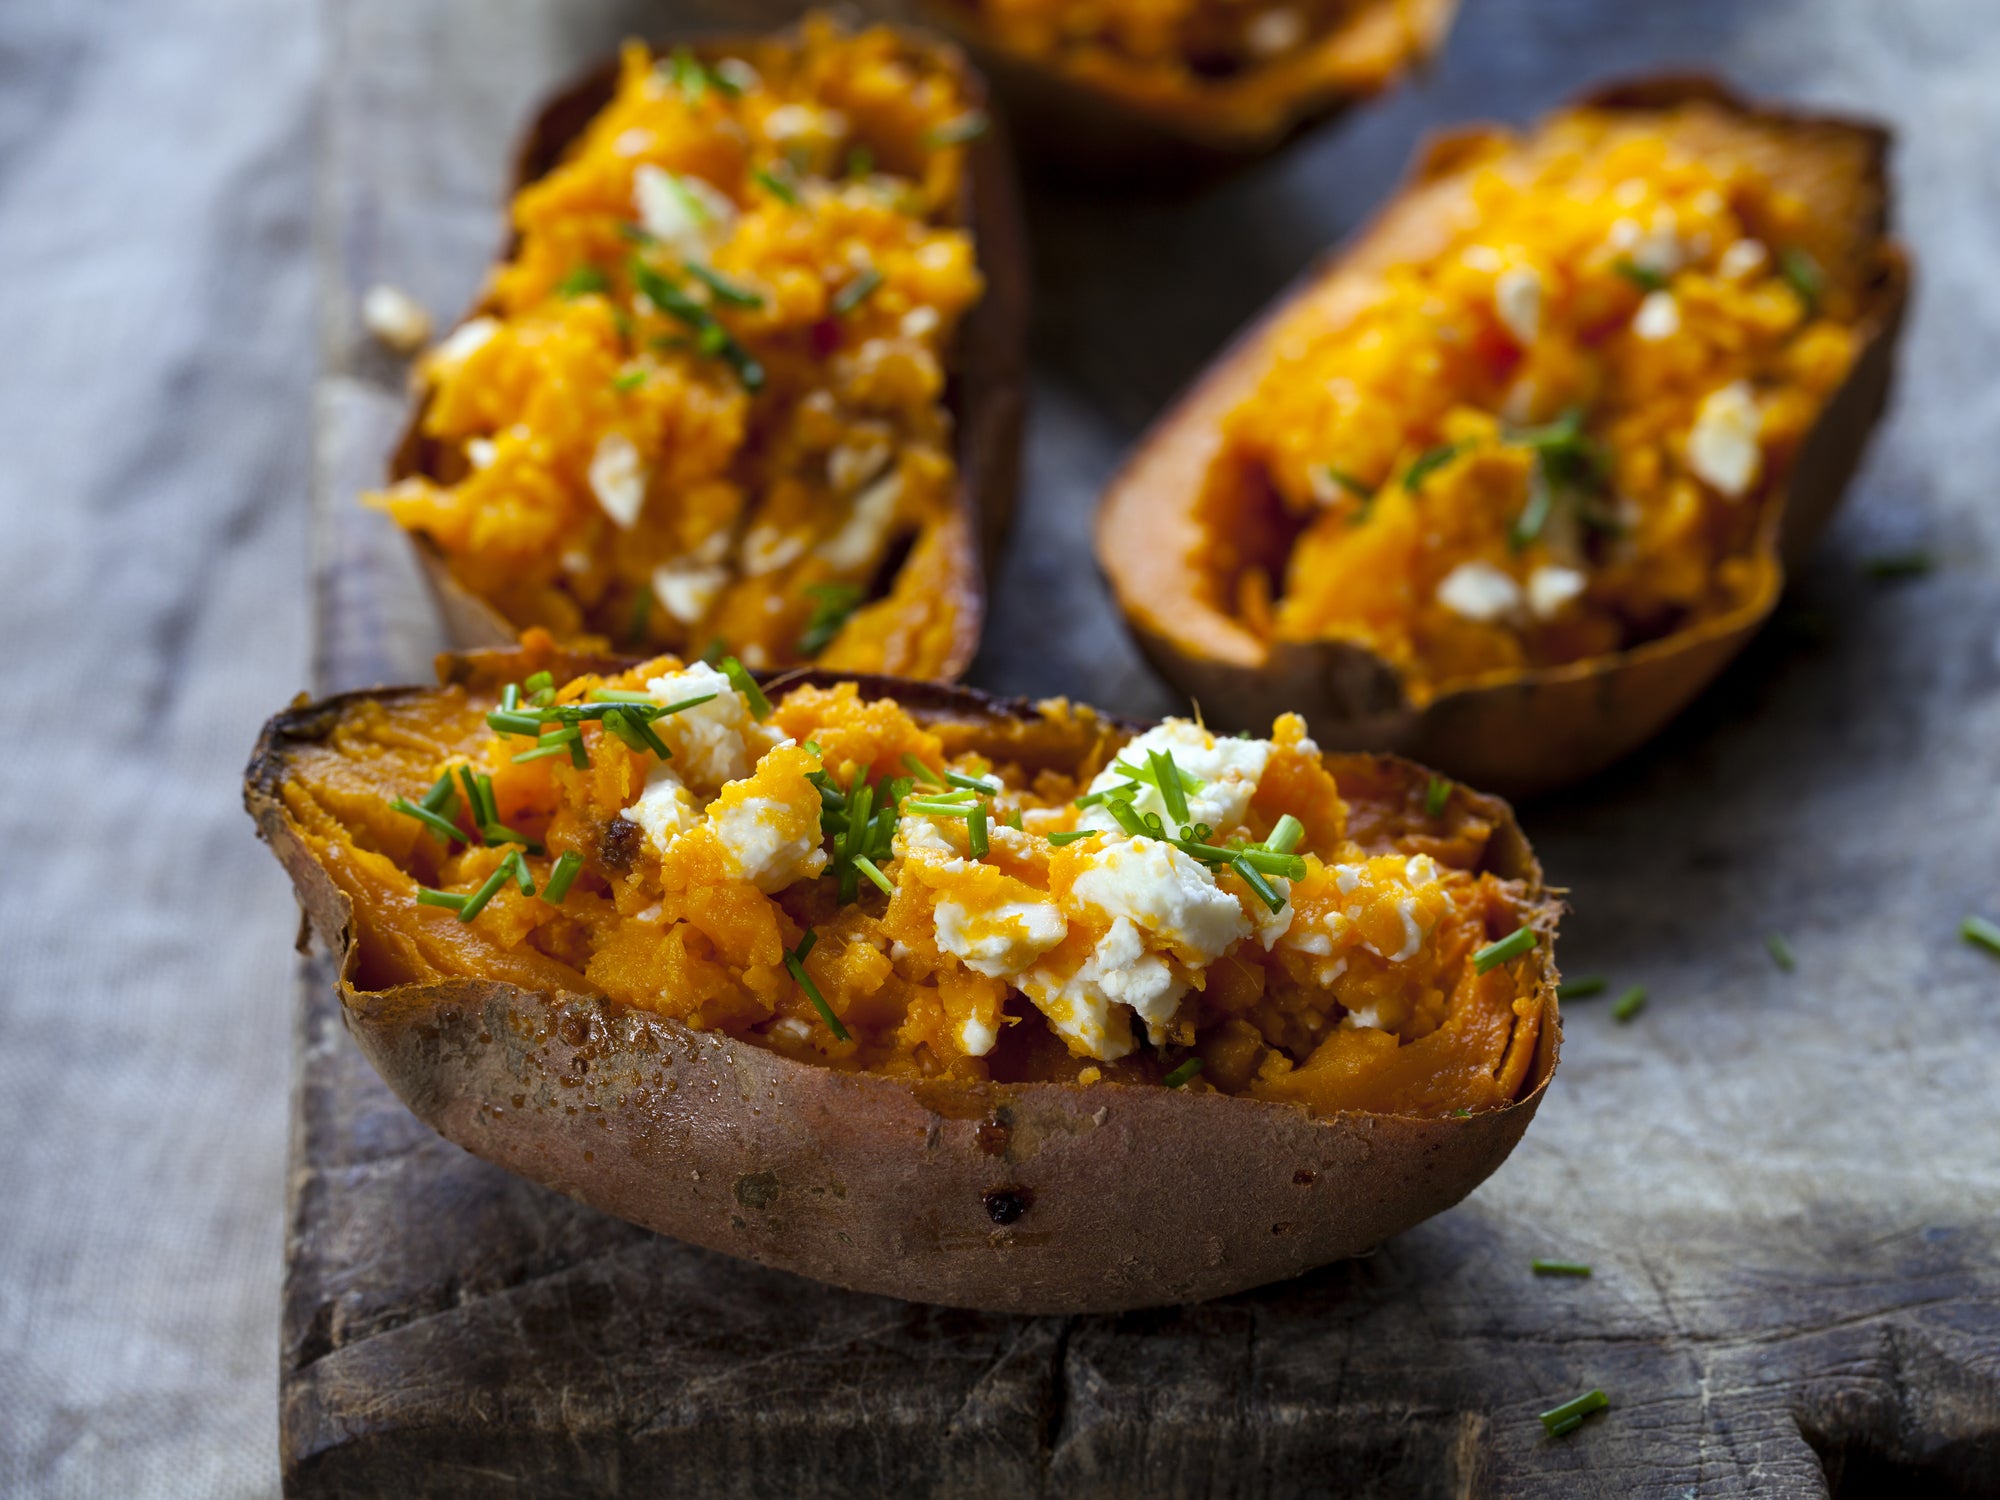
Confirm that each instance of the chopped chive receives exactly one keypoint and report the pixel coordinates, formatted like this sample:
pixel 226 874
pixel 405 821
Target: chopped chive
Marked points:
pixel 713 338
pixel 688 75
pixel 622 695
pixel 1643 277
pixel 500 833
pixel 1265 861
pixel 775 185
pixel 1461 1113
pixel 522 877
pixel 582 282
pixel 1517 942
pixel 642 614
pixel 795 962
pixel 1803 275
pixel 627 381
pixel 730 293
pixel 642 731
pixel 922 772
pixel 479 797
pixel 447 831
pixel 1427 464
pixel 976 830
pixel 510 697
pixel 875 877
pixel 740 679
pixel 638 234
pixel 1285 835
pixel 541 682
pixel 860 162
pixel 561 878
pixel 714 651
pixel 834 604
pixel 1436 795
pixel 545 752
pixel 1359 488
pixel 1781 951
pixel 665 710
pixel 1013 821
pixel 1183 1074
pixel 440 796
pixel 931 807
pixel 1558 1268
pixel 1582 989
pixel 971 784
pixel 733 77
pixel 1629 1004
pixel 1911 564
pixel 476 902
pixel 1166 776
pixel 1266 893
pixel 968 127
pixel 1527 526
pixel 428 897
pixel 501 722
pixel 1566 1418
pixel 1981 933
pixel 856 292
pixel 1070 836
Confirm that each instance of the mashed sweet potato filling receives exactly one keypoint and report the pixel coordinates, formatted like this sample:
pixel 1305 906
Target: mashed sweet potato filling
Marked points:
pixel 705 399
pixel 1556 431
pixel 1301 940
pixel 1172 41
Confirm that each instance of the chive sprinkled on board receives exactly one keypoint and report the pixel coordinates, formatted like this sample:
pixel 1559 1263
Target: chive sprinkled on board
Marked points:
pixel 1517 942
pixel 1183 1074
pixel 740 679
pixel 1558 1268
pixel 1981 933
pixel 795 963
pixel 561 878
pixel 1582 989
pixel 1645 278
pixel 1560 1421
pixel 1436 795
pixel 1780 951
pixel 856 292
pixel 1913 563
pixel 1629 1004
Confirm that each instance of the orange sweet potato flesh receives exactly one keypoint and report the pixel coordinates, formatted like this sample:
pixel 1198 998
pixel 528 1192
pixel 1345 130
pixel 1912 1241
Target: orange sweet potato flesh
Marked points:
pixel 925 618
pixel 1026 1194
pixel 1517 733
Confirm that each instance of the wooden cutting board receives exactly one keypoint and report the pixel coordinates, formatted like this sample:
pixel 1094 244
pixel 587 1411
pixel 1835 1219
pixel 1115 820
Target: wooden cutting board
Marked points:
pixel 1788 1183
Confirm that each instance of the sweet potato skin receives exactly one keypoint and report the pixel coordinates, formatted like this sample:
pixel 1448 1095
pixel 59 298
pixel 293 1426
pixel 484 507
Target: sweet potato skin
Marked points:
pixel 1024 1197
pixel 1088 133
pixel 1527 733
pixel 987 395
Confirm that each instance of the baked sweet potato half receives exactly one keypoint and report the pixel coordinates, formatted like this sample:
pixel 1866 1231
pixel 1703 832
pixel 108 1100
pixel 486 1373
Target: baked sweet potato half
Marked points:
pixel 915 991
pixel 1507 480
pixel 1133 88
pixel 749 374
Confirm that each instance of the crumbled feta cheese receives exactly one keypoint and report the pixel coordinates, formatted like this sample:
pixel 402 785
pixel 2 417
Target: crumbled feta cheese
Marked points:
pixel 461 344
pixel 1658 317
pixel 767 549
pixel 1164 891
pixel 976 1037
pixel 1273 925
pixel 851 465
pixel 1742 260
pixel 395 319
pixel 770 844
pixel 1517 302
pixel 862 536
pixel 1630 193
pixel 938 255
pixel 1724 447
pixel 1274 33
pixel 1081 1006
pixel 714 742
pixel 1550 590
pixel 1003 940
pixel 1660 249
pixel 1483 258
pixel 1228 769
pixel 665 809
pixel 686 592
pixel 634 142
pixel 1480 592
pixel 480 452
pixel 618 479
pixel 683 212
pixel 919 323
pixel 791 122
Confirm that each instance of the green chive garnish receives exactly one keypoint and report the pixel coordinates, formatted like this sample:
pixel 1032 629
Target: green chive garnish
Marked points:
pixel 1428 464
pixel 522 877
pixel 932 807
pixel 502 722
pixel 1781 951
pixel 1285 835
pixel 627 381
pixel 1166 776
pixel 860 162
pixel 1517 942
pixel 476 902
pixel 1803 275
pixel 711 336
pixel 728 292
pixel 1436 795
pixel 976 830
pixel 441 794
pixel 834 604
pixel 1070 836
pixel 642 614
pixel 875 877
pixel 561 878
pixel 447 831
pixel 1643 277
pixel 1257 883
pixel 1354 485
pixel 1629 1004
pixel 541 682
pixel 856 292
pixel 1560 1420
pixel 1558 1268
pixel 428 897
pixel 1527 526
pixel 1183 1074
pixel 776 186
pixel 510 697
pixel 922 772
pixel 1911 564
pixel 967 127
pixel 969 784
pixel 583 281
pixel 740 679
pixel 1981 933
pixel 1582 989
pixel 795 962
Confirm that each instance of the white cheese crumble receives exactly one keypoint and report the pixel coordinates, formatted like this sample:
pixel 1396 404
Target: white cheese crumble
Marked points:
pixel 395 319
pixel 461 344
pixel 1003 940
pixel 1274 33
pixel 862 536
pixel 1483 258
pixel 1517 302
pixel 1552 588
pixel 1742 260
pixel 1724 447
pixel 1658 317
pixel 618 479
pixel 1480 592
pixel 684 213
pixel 753 834
pixel 686 591
pixel 714 742
pixel 767 549
pixel 1168 893
pixel 1228 769
pixel 665 809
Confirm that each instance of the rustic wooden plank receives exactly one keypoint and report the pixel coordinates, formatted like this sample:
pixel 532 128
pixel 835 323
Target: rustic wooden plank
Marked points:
pixel 1789 1185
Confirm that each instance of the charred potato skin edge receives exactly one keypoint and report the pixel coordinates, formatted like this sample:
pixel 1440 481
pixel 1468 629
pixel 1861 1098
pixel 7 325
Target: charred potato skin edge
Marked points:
pixel 1114 1197
pixel 1539 730
pixel 987 380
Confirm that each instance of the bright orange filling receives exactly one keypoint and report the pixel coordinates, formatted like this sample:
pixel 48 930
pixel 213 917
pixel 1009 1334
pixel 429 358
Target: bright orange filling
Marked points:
pixel 1178 39
pixel 760 466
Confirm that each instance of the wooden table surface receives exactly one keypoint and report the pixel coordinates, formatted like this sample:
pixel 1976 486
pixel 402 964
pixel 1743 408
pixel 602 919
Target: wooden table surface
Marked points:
pixel 1788 1183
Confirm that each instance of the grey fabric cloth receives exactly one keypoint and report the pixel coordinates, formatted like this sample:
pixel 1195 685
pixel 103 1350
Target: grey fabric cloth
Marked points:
pixel 156 354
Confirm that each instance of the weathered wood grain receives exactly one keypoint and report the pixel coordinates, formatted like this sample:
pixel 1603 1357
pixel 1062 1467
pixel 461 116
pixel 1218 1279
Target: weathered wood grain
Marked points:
pixel 1789 1184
